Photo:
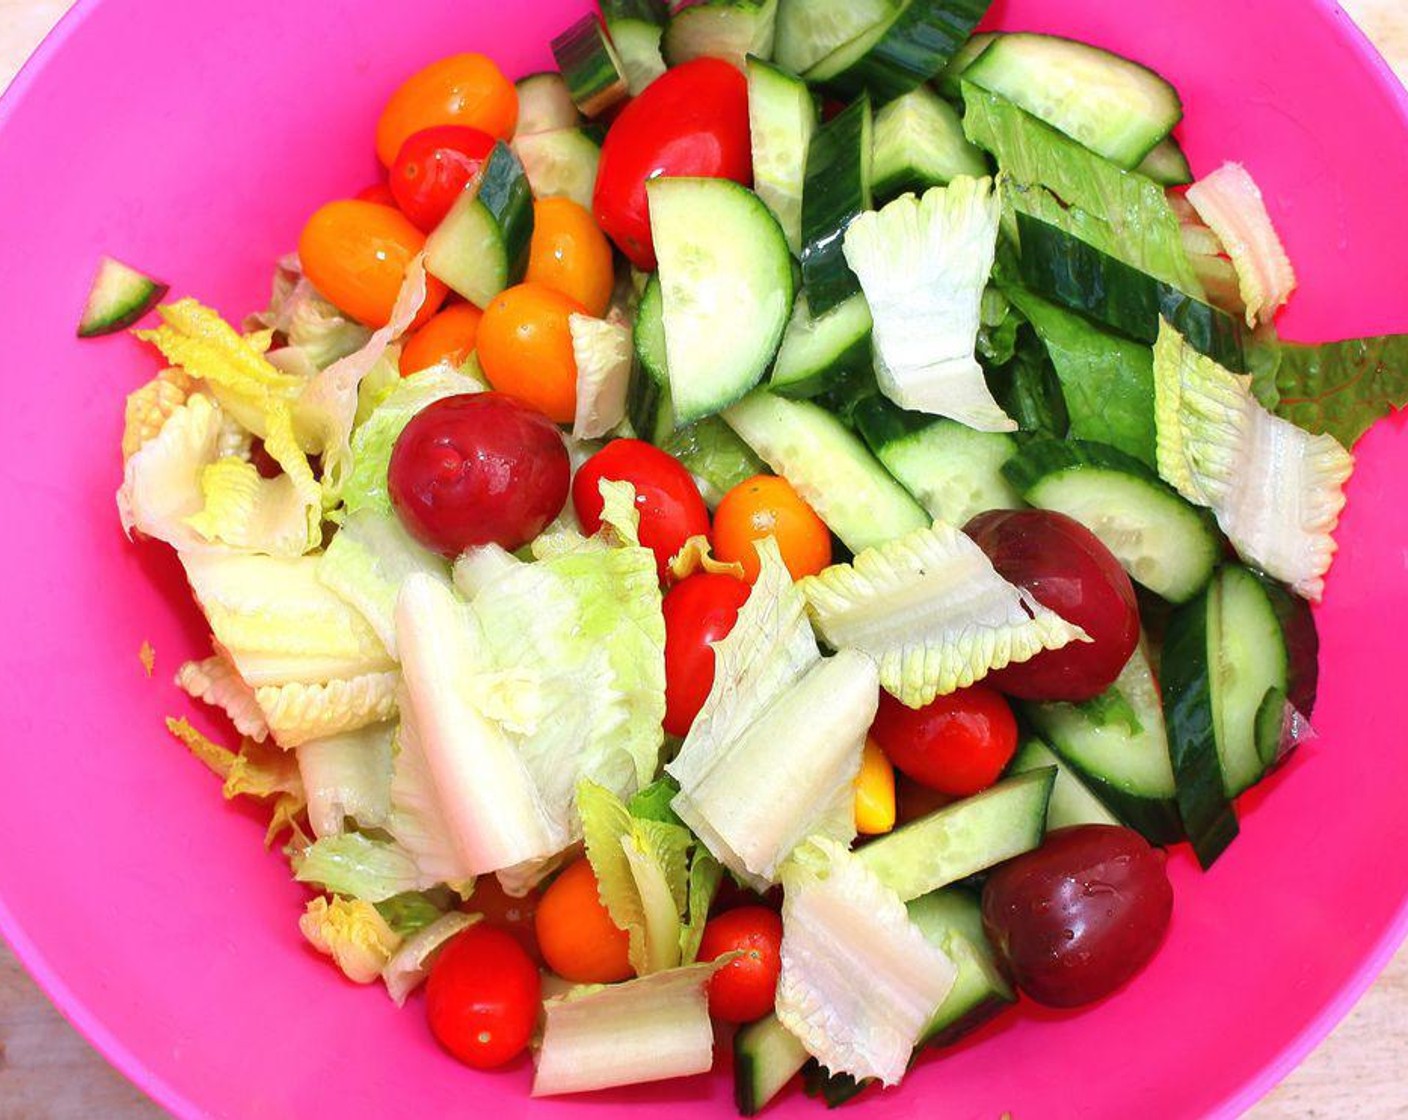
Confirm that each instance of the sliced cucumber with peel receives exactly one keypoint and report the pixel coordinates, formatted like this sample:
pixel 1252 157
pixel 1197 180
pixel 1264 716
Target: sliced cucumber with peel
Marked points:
pixel 766 1056
pixel 829 468
pixel 590 66
pixel 949 80
pixel 119 296
pixel 726 29
pixel 1162 541
pixel 1167 165
pixel 481 246
pixel 835 192
pixel 809 30
pixel 781 119
pixel 635 27
pixel 1072 802
pixel 544 104
pixel 826 354
pixel 919 143
pixel 726 289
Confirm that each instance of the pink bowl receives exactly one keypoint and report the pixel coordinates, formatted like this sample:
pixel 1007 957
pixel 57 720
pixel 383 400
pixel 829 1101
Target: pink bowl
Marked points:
pixel 193 140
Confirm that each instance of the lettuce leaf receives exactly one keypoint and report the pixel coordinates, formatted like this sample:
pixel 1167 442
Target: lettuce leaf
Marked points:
pixel 1230 202
pixel 347 775
pixel 603 353
pixel 161 480
pixel 1276 489
pixel 360 866
pixel 215 681
pixel 255 770
pixel 1341 388
pixel 246 511
pixel 298 713
pixel 409 967
pixel 149 407
pixel 352 933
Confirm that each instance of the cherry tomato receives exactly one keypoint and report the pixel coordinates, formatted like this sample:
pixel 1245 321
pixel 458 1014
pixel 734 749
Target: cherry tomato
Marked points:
pixel 502 911
pixel 477 468
pixel 525 348
pixel 570 254
pixel 465 89
pixel 356 254
pixel 482 997
pixel 579 940
pixel 448 337
pixel 433 167
pixel 1065 567
pixel 957 744
pixel 692 120
pixel 671 510
pixel 379 193
pixel 743 989
pixel 767 506
pixel 698 612
pixel 1080 915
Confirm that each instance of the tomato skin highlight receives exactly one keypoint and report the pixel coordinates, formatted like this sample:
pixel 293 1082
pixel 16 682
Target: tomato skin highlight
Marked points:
pixel 483 997
pixel 698 611
pixel 764 506
pixel 356 254
pixel 433 167
pixel 957 744
pixel 691 121
pixel 671 510
pixel 578 939
pixel 465 89
pixel 744 989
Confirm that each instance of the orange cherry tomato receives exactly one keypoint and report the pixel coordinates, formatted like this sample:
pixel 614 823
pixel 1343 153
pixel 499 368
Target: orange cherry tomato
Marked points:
pixel 448 337
pixel 525 348
pixel 578 939
pixel 767 506
pixel 466 89
pixel 356 254
pixel 570 254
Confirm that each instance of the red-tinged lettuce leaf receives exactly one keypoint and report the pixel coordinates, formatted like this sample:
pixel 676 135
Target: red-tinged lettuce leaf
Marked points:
pixel 1342 387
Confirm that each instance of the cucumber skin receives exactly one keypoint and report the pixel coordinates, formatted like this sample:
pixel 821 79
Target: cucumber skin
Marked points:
pixel 835 191
pixel 1207 812
pixel 589 66
pixel 507 195
pixel 121 315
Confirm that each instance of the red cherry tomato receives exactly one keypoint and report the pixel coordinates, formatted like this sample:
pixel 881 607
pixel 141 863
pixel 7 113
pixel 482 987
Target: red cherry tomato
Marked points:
pixel 515 916
pixel 956 744
pixel 698 611
pixel 432 169
pixel 671 510
pixel 1065 567
pixel 1077 917
pixel 483 997
pixel 693 120
pixel 477 468
pixel 743 989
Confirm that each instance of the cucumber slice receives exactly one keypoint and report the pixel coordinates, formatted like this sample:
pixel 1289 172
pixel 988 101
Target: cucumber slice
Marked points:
pixel 1111 105
pixel 119 296
pixel 954 471
pixel 1075 274
pixel 727 29
pixel 949 81
pixel 782 119
pixel 905 50
pixel 726 284
pixel 1072 802
pixel 809 30
pixel 964 838
pixel 1118 745
pixel 823 355
pixel 544 105
pixel 1163 542
pixel 1167 165
pixel 766 1056
pixel 649 332
pixel 836 191
pixel 828 467
pixel 919 143
pixel 481 247
pixel 560 164
pixel 590 66
pixel 635 27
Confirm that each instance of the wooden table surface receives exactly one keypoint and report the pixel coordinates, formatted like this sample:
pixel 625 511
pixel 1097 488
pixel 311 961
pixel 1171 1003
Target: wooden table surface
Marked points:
pixel 48 1072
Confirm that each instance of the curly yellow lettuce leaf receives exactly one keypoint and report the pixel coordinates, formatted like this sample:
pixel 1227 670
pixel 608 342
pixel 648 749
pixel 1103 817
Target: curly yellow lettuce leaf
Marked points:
pixel 353 934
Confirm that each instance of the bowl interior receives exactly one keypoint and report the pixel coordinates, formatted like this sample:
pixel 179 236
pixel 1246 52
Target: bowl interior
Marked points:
pixel 192 140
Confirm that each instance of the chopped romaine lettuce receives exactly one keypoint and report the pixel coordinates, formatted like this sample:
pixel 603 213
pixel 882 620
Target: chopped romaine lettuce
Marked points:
pixel 410 965
pixel 297 712
pixel 1277 490
pixel 347 775
pixel 932 610
pixel 603 352
pixel 1230 202
pixel 360 866
pixel 352 933
pixel 246 511
pixel 416 822
pixel 256 770
pixel 412 911
pixel 149 407
pixel 696 555
pixel 215 681
pixel 161 488
pixel 923 264
pixel 859 980
pixel 1341 388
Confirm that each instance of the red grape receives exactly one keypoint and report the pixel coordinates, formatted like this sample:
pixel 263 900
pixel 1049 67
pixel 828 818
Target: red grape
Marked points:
pixel 478 468
pixel 1077 917
pixel 1066 568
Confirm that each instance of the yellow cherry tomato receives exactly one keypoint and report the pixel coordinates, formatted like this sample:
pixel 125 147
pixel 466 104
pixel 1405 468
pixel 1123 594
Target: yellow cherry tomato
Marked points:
pixel 570 254
pixel 525 348
pixel 875 792
pixel 356 254
pixel 448 337
pixel 466 89
pixel 767 506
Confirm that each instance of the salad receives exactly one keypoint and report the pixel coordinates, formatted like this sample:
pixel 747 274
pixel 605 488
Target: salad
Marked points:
pixel 776 522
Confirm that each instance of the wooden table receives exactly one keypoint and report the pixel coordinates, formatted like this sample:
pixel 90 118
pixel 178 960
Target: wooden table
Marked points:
pixel 48 1072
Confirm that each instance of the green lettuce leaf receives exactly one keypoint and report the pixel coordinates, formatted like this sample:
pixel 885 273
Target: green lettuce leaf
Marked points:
pixel 1341 388
pixel 360 866
pixel 705 874
pixel 411 912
